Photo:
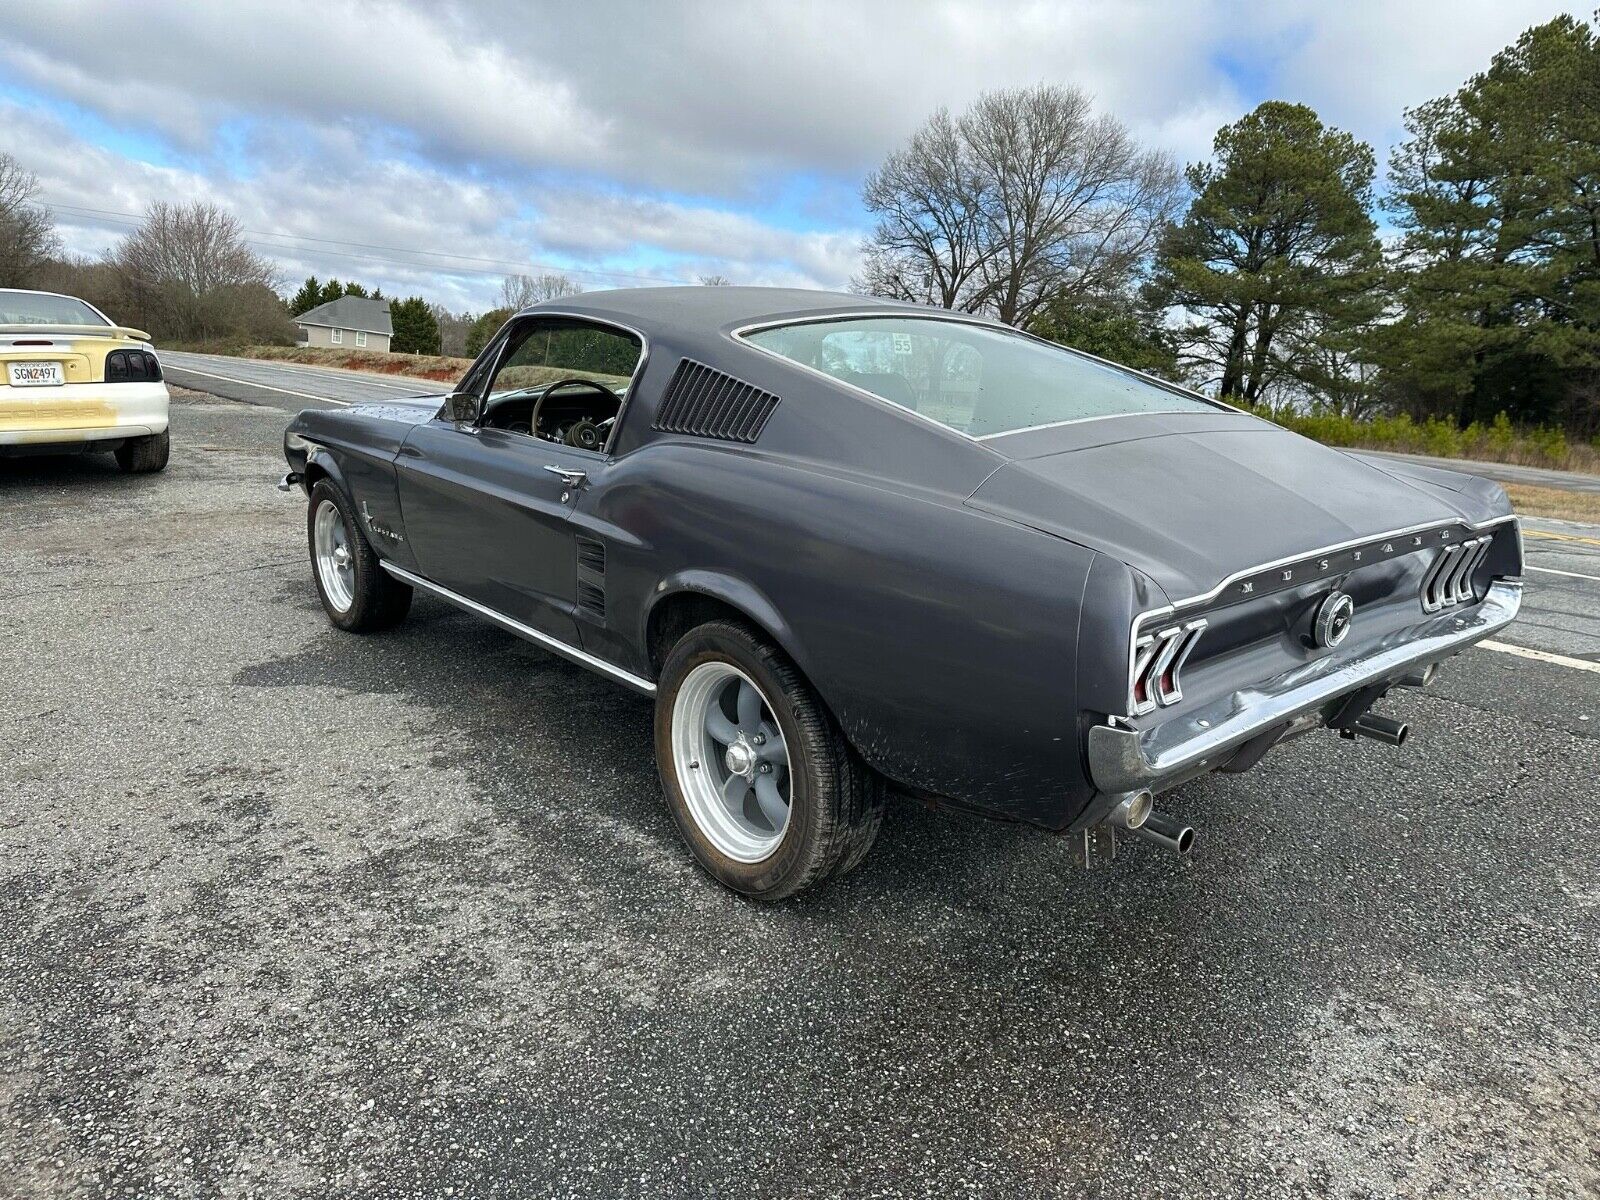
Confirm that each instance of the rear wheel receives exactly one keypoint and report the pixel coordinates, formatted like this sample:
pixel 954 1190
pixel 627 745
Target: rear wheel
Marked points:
pixel 356 592
pixel 144 455
pixel 767 792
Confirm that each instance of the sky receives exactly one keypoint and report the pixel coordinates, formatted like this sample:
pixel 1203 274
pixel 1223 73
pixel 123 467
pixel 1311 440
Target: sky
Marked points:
pixel 431 147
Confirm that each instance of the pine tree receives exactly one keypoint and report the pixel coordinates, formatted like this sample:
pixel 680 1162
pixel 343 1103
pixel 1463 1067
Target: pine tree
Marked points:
pixel 307 298
pixel 1277 255
pixel 484 328
pixel 1497 278
pixel 416 330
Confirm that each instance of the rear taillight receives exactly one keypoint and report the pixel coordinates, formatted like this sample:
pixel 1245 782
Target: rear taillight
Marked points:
pixel 132 366
pixel 1158 660
pixel 1448 581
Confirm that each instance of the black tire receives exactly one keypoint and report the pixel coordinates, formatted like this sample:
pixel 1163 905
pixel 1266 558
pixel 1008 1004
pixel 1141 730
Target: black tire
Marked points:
pixel 377 600
pixel 836 800
pixel 145 455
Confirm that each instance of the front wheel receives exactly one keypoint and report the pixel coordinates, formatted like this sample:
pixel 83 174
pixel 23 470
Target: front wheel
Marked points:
pixel 767 792
pixel 357 593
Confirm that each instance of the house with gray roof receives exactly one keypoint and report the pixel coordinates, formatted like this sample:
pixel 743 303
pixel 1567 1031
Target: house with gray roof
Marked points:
pixel 351 322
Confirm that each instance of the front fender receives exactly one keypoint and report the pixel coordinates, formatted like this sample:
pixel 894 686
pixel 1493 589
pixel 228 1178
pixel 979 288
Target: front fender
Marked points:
pixel 319 461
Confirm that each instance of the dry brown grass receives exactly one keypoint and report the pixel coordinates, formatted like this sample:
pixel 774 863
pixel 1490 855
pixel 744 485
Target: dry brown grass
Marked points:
pixel 437 367
pixel 1554 502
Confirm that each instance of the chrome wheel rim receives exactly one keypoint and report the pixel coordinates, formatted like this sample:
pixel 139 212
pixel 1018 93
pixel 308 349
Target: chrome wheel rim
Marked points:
pixel 731 762
pixel 330 546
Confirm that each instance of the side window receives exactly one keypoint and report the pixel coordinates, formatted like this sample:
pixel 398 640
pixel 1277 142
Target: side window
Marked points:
pixel 561 380
pixel 336 336
pixel 550 350
pixel 361 337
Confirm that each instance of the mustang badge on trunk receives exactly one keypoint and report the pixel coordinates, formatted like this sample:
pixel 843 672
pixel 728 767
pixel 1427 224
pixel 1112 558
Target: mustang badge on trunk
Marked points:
pixel 1332 622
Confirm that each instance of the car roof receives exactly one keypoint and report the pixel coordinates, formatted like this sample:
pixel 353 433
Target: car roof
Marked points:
pixel 704 308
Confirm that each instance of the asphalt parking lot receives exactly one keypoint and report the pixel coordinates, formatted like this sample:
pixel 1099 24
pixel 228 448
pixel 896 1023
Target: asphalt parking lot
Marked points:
pixel 287 912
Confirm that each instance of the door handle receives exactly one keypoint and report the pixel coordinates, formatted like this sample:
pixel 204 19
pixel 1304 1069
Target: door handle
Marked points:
pixel 569 477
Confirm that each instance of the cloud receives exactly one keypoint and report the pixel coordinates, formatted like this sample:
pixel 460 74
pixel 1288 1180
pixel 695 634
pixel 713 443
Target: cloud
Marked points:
pixel 323 203
pixel 623 140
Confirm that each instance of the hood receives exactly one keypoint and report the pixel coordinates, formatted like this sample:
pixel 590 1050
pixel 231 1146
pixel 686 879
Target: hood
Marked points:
pixel 1192 506
pixel 408 410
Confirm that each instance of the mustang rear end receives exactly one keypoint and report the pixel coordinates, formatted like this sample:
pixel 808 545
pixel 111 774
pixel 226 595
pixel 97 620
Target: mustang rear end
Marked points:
pixel 1300 645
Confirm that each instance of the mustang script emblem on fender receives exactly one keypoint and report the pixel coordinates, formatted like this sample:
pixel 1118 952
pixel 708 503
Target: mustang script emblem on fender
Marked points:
pixel 1332 622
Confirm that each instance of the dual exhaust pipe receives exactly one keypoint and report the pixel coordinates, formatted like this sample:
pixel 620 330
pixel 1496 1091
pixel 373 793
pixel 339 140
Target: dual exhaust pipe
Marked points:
pixel 1136 813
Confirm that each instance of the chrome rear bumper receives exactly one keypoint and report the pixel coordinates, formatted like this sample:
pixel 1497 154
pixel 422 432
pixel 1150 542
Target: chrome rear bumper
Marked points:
pixel 1163 756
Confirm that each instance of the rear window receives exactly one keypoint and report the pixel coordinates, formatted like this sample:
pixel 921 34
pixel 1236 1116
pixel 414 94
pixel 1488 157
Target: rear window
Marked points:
pixel 38 308
pixel 976 379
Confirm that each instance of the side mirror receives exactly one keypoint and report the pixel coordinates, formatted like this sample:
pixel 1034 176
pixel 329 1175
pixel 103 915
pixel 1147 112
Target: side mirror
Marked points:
pixel 461 407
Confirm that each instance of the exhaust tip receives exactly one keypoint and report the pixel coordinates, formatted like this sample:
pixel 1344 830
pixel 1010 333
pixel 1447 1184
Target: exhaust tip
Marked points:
pixel 1133 810
pixel 1420 677
pixel 1382 729
pixel 1163 831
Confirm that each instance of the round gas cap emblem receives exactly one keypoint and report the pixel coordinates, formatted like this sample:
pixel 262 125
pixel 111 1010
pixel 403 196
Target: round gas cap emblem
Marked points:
pixel 1332 623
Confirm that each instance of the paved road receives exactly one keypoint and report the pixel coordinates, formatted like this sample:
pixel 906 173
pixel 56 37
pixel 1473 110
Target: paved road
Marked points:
pixel 1567 481
pixel 287 385
pixel 287 912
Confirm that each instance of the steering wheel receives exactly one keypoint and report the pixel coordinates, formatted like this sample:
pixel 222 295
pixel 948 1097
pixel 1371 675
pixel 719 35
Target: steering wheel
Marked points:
pixel 588 430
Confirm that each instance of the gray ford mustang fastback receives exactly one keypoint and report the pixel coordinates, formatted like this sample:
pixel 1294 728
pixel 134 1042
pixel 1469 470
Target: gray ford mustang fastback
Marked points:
pixel 845 542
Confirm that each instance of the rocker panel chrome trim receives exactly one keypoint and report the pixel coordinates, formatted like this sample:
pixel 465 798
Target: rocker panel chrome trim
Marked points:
pixel 511 625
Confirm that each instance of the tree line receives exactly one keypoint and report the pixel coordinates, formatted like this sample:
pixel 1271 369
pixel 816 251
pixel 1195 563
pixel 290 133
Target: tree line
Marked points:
pixel 1278 273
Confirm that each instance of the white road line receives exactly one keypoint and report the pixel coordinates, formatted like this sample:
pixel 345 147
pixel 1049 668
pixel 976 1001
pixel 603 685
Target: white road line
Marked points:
pixel 1560 660
pixel 1568 574
pixel 266 387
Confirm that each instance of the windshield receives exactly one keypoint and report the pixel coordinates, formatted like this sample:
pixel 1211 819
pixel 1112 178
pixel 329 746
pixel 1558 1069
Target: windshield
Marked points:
pixel 41 308
pixel 974 378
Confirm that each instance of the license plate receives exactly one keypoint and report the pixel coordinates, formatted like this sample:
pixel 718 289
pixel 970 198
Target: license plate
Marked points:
pixel 35 374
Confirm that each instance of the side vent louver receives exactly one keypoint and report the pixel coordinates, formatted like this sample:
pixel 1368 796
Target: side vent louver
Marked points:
pixel 592 577
pixel 703 402
pixel 1448 581
pixel 1158 660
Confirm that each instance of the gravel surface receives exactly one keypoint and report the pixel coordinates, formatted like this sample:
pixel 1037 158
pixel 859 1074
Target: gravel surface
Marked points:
pixel 288 912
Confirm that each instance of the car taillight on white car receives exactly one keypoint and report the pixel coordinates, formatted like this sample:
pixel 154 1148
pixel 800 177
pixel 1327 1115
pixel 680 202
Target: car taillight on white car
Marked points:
pixel 132 366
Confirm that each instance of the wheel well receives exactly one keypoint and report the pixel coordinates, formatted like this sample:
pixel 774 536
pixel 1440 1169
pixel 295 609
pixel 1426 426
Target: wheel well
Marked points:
pixel 682 611
pixel 314 472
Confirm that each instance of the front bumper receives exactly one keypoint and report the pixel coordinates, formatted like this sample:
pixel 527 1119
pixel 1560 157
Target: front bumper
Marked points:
pixel 1163 756
pixel 81 412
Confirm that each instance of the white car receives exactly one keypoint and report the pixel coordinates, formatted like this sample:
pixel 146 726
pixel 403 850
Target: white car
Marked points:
pixel 75 381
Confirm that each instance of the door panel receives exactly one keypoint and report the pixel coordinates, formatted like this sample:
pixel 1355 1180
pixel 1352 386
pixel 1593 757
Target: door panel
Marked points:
pixel 487 520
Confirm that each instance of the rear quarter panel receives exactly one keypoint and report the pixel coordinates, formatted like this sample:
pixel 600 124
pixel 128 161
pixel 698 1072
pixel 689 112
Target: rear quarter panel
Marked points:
pixel 943 640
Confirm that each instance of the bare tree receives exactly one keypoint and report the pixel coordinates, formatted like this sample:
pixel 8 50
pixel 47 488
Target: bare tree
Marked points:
pixel 519 291
pixel 714 281
pixel 1026 196
pixel 190 274
pixel 453 330
pixel 27 232
pixel 929 198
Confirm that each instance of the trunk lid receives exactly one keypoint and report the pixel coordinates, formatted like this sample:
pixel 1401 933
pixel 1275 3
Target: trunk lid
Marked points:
pixel 1192 500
